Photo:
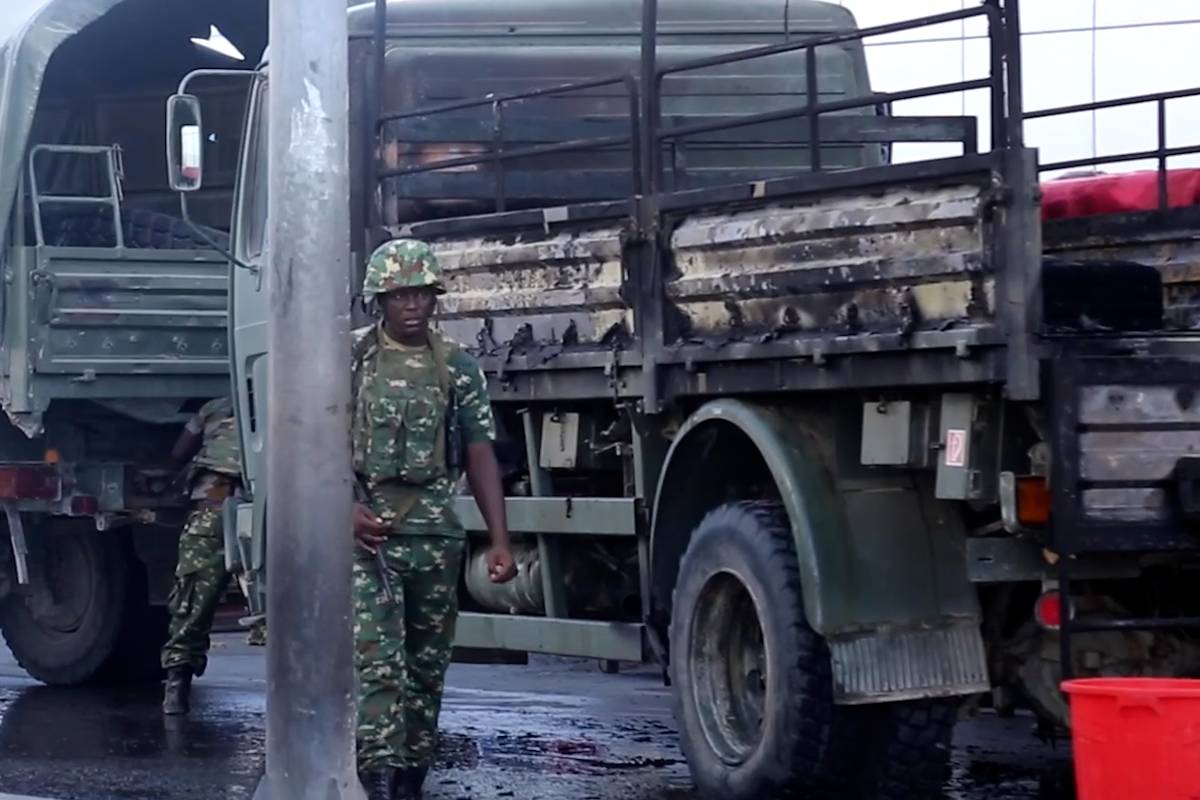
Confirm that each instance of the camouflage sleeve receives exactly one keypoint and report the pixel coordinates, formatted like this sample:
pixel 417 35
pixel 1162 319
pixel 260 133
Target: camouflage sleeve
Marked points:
pixel 195 425
pixel 474 404
pixel 221 407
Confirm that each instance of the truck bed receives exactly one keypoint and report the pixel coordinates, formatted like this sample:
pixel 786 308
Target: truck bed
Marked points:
pixel 113 324
pixel 854 279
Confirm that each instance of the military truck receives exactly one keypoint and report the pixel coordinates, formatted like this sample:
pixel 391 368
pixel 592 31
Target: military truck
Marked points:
pixel 850 447
pixel 114 319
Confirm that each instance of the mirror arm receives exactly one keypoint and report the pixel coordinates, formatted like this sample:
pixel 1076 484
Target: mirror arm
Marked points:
pixel 183 204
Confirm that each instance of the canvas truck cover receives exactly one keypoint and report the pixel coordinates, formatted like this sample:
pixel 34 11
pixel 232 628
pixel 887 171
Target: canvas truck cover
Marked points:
pixel 30 32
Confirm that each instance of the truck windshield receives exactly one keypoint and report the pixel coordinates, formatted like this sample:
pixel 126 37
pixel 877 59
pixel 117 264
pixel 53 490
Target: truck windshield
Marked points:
pixel 255 193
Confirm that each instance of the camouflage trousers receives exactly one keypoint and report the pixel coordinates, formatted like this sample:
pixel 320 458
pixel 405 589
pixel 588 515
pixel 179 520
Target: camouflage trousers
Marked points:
pixel 200 581
pixel 402 649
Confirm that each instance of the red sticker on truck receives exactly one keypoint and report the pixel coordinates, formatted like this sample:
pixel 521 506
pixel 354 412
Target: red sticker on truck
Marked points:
pixel 956 448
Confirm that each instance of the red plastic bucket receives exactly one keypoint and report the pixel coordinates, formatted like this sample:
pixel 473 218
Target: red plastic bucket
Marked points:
pixel 1136 738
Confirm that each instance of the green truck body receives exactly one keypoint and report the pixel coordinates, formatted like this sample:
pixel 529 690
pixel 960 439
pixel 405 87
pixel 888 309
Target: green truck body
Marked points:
pixel 847 446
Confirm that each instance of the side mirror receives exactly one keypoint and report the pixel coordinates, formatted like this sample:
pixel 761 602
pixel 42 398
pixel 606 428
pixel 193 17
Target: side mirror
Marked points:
pixel 185 143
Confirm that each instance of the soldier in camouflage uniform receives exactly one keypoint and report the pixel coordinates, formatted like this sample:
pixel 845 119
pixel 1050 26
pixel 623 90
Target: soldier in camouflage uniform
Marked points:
pixel 210 442
pixel 420 407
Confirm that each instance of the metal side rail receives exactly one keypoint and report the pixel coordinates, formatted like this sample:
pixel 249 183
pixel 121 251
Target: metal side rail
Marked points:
pixel 553 632
pixel 1090 623
pixel 1126 477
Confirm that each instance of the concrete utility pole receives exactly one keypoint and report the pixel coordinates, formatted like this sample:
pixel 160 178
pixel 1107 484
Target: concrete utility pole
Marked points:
pixel 310 680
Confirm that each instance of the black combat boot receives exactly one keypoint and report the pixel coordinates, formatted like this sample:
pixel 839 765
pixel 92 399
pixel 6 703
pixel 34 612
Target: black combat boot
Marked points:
pixel 409 782
pixel 380 784
pixel 179 687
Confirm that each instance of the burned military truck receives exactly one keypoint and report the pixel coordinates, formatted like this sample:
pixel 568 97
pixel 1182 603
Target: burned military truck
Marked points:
pixel 849 445
pixel 114 318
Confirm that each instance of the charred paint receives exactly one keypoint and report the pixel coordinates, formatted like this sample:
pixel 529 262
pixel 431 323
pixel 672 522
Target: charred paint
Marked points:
pixel 560 288
pixel 1167 243
pixel 893 262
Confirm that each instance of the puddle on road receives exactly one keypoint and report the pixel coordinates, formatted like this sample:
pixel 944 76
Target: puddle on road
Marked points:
pixel 1041 774
pixel 115 744
pixel 97 745
pixel 569 750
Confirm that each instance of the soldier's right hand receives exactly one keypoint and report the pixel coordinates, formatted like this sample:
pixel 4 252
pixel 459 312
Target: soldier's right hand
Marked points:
pixel 369 530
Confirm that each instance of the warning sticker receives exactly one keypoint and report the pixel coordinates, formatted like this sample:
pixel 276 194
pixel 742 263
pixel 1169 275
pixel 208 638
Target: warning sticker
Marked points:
pixel 956 448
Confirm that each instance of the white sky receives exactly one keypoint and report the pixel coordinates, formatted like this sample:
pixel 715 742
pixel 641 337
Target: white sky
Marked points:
pixel 1074 51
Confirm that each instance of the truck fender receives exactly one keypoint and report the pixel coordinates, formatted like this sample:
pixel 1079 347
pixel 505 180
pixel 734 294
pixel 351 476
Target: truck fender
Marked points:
pixel 805 490
pixel 876 551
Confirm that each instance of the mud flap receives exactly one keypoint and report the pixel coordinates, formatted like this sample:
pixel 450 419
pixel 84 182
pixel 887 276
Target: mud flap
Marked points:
pixel 892 664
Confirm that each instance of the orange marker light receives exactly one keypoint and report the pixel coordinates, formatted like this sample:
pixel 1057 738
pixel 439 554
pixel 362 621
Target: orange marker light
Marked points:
pixel 1033 500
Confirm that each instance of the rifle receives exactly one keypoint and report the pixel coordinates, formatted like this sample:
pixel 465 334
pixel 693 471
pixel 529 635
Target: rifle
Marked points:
pixel 455 457
pixel 361 495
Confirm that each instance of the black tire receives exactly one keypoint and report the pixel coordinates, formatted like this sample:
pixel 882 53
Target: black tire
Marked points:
pixel 150 230
pixel 93 227
pixel 88 577
pixel 753 689
pixel 137 656
pixel 909 746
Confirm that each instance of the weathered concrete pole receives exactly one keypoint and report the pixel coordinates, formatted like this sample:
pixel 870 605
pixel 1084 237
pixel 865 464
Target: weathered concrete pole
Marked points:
pixel 310 681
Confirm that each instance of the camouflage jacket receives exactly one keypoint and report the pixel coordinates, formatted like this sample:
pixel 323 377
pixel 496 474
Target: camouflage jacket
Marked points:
pixel 401 399
pixel 220 451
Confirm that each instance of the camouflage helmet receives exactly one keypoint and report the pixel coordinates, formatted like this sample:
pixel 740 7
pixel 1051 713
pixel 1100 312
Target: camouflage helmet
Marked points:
pixel 402 264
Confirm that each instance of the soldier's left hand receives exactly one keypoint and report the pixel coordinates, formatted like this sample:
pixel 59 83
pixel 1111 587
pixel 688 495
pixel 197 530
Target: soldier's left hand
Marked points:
pixel 501 567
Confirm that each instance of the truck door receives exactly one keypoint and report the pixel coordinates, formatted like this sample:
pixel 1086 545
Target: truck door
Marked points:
pixel 248 344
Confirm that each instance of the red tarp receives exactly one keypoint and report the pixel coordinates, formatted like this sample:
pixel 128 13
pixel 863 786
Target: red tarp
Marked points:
pixel 1114 194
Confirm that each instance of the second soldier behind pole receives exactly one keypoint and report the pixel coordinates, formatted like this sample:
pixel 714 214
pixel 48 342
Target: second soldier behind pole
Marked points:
pixel 210 442
pixel 421 416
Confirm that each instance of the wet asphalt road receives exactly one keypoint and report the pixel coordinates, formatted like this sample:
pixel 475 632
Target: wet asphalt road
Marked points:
pixel 554 729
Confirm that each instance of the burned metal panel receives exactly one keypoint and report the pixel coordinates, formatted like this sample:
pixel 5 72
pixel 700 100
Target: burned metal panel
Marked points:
pixel 97 312
pixel 1134 435
pixel 536 289
pixel 1131 404
pixel 1148 455
pixel 1126 438
pixel 1165 240
pixel 898 261
pixel 1126 505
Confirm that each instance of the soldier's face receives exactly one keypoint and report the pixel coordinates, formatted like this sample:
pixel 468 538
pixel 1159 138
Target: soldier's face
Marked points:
pixel 406 312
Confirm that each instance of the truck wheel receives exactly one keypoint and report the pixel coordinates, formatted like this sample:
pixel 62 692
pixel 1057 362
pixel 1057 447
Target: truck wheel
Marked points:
pixel 137 655
pixel 67 637
pixel 909 746
pixel 752 684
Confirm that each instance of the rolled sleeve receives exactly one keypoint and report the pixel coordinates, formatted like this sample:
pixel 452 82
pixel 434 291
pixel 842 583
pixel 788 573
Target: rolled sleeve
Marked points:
pixel 474 406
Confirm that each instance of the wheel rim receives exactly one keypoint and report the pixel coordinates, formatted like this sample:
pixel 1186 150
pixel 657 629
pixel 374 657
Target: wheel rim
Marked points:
pixel 728 660
pixel 68 570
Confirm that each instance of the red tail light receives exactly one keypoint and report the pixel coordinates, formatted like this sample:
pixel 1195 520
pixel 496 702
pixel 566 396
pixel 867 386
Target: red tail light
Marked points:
pixel 83 505
pixel 29 482
pixel 1048 610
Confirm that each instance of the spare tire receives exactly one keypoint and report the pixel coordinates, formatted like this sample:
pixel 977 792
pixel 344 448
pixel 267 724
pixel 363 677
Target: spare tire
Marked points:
pixel 154 231
pixel 150 230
